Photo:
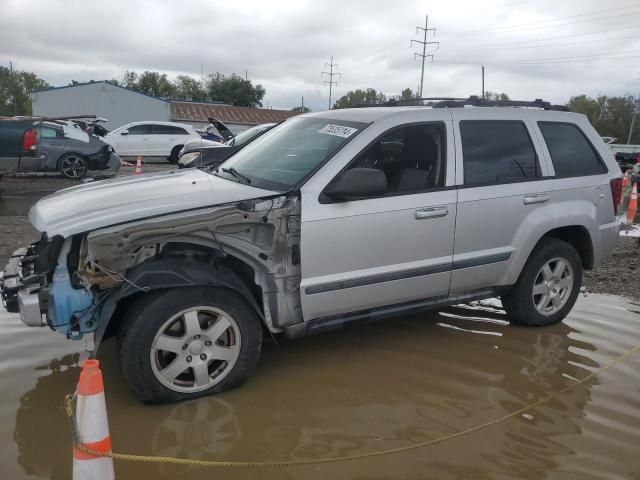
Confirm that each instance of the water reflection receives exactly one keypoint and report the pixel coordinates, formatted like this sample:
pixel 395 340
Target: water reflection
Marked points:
pixel 366 388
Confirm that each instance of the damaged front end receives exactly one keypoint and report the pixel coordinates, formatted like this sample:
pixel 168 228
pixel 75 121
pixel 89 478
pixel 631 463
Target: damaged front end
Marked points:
pixel 75 285
pixel 37 284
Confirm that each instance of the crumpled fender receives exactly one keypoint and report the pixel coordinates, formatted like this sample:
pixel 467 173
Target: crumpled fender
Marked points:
pixel 171 273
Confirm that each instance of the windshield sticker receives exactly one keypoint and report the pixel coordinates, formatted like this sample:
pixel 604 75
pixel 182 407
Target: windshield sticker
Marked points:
pixel 338 130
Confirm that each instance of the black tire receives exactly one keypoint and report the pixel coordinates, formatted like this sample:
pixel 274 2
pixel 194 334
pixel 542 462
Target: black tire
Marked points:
pixel 73 166
pixel 519 302
pixel 175 152
pixel 146 317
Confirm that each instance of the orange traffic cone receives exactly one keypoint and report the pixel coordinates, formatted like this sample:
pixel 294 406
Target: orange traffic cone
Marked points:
pixel 632 209
pixel 625 179
pixel 92 426
pixel 138 166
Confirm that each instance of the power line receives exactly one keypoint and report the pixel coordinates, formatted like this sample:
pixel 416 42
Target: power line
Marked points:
pixel 331 74
pixel 500 47
pixel 424 44
pixel 526 26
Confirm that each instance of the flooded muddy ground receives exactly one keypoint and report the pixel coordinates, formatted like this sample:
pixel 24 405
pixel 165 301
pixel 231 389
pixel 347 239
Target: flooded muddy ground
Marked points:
pixel 364 388
pixel 369 387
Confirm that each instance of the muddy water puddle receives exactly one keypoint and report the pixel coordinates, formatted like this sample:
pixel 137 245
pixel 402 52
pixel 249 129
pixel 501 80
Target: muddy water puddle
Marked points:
pixel 365 388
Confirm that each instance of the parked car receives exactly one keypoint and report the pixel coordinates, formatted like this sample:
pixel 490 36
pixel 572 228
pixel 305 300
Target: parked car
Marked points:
pixel 18 147
pixel 151 139
pixel 200 154
pixel 73 152
pixel 328 218
pixel 216 131
pixel 626 161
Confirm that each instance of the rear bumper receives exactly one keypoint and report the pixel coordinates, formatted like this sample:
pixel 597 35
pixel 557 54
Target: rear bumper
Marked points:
pixel 608 235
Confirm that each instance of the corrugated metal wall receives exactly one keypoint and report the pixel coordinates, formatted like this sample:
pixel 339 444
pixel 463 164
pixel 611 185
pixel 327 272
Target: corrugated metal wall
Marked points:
pixel 118 105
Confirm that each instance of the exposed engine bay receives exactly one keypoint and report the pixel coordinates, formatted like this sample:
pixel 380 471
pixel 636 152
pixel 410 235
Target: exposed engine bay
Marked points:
pixel 252 247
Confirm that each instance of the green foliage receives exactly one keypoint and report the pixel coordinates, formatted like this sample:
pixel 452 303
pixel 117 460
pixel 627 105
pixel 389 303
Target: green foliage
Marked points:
pixel 610 116
pixel 407 94
pixel 301 109
pixel 233 89
pixel 20 88
pixel 188 88
pixel 360 97
pixel 496 96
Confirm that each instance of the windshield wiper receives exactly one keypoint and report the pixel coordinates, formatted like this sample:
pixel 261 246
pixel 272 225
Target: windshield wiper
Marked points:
pixel 236 174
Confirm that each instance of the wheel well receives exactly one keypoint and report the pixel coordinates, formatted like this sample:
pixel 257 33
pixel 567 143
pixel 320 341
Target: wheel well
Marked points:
pixel 194 253
pixel 579 238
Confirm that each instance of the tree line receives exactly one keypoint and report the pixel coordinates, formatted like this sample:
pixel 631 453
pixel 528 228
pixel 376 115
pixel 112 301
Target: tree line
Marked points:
pixel 231 89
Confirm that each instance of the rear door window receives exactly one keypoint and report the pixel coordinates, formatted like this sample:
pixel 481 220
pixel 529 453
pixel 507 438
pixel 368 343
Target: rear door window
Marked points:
pixel 140 130
pixel 571 153
pixel 168 130
pixel 495 152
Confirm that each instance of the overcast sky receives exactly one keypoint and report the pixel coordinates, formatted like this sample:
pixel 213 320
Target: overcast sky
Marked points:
pixel 547 48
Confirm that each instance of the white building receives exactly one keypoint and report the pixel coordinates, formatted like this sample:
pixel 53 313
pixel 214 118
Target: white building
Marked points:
pixel 121 105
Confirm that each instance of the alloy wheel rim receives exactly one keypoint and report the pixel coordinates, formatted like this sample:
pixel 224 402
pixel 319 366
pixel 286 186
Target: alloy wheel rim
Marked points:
pixel 195 349
pixel 73 166
pixel 552 286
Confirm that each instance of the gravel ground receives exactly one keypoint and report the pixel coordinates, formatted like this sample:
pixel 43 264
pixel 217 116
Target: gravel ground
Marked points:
pixel 619 275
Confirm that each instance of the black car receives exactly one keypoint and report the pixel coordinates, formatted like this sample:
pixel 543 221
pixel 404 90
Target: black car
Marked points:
pixel 627 160
pixel 212 155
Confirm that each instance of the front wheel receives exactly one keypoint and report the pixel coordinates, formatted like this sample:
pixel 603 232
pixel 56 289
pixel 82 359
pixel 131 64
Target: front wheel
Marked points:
pixel 175 154
pixel 188 342
pixel 73 166
pixel 548 285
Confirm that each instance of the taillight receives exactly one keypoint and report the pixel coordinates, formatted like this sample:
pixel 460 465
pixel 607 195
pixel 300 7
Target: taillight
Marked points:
pixel 29 141
pixel 616 193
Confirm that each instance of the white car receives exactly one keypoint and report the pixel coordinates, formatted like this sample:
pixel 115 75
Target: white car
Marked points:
pixel 152 139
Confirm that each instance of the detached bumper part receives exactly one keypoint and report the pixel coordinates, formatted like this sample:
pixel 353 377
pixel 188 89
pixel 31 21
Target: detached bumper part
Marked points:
pixel 29 305
pixel 10 282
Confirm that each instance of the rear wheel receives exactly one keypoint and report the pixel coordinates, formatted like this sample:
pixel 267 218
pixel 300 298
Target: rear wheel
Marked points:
pixel 188 342
pixel 73 166
pixel 548 285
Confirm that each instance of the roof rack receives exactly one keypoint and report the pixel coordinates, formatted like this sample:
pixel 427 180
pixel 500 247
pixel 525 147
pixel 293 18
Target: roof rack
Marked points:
pixel 484 102
pixel 475 101
pixel 407 103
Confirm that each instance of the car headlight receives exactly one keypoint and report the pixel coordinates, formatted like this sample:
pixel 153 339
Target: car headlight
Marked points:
pixel 187 158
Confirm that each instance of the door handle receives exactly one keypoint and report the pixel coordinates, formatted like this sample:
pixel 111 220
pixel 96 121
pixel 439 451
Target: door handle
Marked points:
pixel 536 198
pixel 431 212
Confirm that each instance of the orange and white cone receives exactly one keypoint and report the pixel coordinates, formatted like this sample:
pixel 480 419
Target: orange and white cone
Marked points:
pixel 92 426
pixel 625 179
pixel 632 209
pixel 138 166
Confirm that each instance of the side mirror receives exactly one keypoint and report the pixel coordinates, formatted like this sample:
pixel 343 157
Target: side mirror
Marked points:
pixel 124 132
pixel 358 183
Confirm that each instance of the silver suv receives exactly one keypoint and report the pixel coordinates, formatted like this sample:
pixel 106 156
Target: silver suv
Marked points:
pixel 329 218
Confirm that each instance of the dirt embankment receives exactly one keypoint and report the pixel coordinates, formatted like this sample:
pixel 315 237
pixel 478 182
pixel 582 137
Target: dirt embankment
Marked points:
pixel 620 273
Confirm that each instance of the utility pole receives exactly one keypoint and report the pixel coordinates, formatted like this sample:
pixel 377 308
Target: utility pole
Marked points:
pixel 331 74
pixel 424 44
pixel 13 89
pixel 246 75
pixel 483 82
pixel 302 104
pixel 633 120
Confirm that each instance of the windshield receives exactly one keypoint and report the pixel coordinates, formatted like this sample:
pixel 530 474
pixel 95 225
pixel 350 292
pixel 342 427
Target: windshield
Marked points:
pixel 282 157
pixel 244 137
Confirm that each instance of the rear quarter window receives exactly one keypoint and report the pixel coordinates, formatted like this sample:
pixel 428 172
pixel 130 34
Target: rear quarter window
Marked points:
pixel 571 153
